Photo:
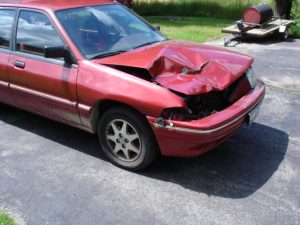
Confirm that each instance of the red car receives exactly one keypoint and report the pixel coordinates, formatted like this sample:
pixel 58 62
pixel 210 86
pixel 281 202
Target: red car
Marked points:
pixel 95 65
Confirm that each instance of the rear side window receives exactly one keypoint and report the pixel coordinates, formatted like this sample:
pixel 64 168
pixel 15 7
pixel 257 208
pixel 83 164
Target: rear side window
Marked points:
pixel 34 32
pixel 6 24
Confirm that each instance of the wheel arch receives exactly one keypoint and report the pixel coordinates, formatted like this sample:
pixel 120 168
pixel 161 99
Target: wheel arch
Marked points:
pixel 148 147
pixel 102 106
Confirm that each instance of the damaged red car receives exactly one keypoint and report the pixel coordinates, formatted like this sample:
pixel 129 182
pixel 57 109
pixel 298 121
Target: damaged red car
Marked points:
pixel 97 66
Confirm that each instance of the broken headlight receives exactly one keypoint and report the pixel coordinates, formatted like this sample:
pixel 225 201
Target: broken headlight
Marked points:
pixel 251 77
pixel 176 114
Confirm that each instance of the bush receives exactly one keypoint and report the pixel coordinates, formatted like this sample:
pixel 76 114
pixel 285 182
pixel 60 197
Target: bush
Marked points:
pixel 229 9
pixel 295 29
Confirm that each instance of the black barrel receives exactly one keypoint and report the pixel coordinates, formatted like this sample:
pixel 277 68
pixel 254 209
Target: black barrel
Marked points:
pixel 258 14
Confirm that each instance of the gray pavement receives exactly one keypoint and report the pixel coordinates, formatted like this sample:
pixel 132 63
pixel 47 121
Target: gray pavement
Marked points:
pixel 276 63
pixel 54 174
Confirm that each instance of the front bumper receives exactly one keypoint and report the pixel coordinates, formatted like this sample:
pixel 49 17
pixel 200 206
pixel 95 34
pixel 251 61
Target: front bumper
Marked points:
pixel 188 139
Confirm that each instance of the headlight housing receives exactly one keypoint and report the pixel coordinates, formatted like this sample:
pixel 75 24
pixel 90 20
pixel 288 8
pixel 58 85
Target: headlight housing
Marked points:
pixel 171 114
pixel 176 114
pixel 251 77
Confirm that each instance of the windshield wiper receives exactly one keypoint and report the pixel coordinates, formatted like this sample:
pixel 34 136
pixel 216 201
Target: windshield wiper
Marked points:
pixel 106 54
pixel 145 44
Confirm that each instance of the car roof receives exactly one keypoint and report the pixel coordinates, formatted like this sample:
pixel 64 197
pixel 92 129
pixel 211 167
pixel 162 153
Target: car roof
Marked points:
pixel 54 4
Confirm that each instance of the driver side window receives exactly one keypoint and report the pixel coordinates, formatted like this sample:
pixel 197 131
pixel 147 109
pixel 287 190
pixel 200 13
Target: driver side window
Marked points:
pixel 34 32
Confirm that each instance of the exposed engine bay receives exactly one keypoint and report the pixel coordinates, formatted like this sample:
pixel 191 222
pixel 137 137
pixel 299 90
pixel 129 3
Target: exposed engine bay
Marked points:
pixel 206 82
pixel 201 105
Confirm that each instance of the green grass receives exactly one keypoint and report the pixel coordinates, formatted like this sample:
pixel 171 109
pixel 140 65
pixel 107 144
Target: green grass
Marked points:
pixel 190 28
pixel 6 219
pixel 229 9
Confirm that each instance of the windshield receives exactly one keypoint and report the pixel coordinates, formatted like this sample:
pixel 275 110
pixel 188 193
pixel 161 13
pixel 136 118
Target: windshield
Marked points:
pixel 105 30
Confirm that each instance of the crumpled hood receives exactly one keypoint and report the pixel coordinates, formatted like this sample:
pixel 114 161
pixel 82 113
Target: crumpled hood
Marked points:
pixel 185 67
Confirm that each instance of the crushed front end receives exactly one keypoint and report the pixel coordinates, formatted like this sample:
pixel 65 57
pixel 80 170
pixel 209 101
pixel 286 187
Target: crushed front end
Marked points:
pixel 217 87
pixel 209 118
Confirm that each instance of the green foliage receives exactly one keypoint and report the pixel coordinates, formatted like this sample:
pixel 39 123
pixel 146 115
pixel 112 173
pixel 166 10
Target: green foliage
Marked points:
pixel 6 219
pixel 197 29
pixel 229 9
pixel 295 29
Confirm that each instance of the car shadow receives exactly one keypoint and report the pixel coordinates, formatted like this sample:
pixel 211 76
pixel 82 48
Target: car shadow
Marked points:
pixel 269 40
pixel 66 135
pixel 235 169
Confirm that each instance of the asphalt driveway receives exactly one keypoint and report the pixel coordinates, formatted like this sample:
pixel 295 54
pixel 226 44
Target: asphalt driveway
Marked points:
pixel 54 174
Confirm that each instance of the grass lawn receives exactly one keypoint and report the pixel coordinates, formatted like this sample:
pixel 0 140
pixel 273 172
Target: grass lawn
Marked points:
pixel 197 16
pixel 190 28
pixel 6 219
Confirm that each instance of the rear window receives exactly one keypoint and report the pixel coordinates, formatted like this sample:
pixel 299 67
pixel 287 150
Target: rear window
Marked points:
pixel 6 23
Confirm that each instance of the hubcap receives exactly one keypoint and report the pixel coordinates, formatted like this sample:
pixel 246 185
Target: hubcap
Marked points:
pixel 123 140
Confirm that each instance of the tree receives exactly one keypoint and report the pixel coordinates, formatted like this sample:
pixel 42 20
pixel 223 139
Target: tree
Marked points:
pixel 283 8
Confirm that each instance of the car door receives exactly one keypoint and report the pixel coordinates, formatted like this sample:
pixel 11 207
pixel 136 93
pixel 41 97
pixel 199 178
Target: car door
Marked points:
pixel 46 86
pixel 6 25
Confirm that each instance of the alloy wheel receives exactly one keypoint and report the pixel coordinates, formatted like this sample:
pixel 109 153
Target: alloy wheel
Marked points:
pixel 123 140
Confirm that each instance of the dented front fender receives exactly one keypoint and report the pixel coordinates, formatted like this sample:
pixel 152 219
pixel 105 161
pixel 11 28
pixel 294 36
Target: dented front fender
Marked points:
pixel 98 83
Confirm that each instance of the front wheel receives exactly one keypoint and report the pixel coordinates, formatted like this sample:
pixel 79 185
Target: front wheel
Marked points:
pixel 126 138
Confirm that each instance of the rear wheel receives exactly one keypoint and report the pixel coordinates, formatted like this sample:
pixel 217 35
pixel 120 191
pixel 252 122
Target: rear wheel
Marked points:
pixel 126 138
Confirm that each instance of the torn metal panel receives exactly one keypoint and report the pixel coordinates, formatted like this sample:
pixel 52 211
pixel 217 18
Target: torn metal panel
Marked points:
pixel 185 67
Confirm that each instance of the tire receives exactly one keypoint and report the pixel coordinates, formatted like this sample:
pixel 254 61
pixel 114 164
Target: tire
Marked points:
pixel 283 36
pixel 126 138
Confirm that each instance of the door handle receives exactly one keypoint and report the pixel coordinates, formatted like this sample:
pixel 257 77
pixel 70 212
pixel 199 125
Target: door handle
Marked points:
pixel 19 64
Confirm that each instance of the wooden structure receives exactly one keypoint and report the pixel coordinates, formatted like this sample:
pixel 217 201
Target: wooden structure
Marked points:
pixel 260 30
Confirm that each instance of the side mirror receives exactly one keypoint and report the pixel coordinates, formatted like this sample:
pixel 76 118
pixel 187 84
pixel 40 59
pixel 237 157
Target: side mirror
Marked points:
pixel 156 26
pixel 59 52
